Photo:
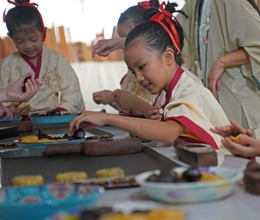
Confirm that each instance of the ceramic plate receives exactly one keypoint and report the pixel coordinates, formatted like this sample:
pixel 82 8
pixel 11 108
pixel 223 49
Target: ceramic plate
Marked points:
pixel 59 119
pixel 191 192
pixel 39 202
pixel 11 119
pixel 42 145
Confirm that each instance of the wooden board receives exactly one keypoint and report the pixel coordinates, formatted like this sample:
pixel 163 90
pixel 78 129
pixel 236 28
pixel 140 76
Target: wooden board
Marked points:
pixel 111 146
pixel 23 126
pixel 196 154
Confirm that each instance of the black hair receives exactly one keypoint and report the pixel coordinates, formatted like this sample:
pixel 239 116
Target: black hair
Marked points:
pixel 135 13
pixel 153 34
pixel 22 16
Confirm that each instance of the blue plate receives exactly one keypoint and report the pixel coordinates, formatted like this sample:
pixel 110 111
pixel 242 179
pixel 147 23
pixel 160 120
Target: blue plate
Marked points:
pixel 39 202
pixel 42 145
pixel 59 119
pixel 11 119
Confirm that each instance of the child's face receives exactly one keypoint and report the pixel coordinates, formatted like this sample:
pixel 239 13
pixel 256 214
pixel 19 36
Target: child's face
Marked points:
pixel 28 42
pixel 148 66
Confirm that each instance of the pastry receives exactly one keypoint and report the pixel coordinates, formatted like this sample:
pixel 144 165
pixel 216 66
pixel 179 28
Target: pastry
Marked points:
pixel 191 174
pixel 36 139
pixel 114 172
pixel 72 176
pixel 27 180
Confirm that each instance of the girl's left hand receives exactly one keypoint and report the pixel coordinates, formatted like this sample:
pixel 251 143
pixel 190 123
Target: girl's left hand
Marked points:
pixel 5 112
pixel 214 77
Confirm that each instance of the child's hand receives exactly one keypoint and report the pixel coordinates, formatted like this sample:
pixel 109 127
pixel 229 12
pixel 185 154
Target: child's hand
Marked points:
pixel 124 100
pixel 156 113
pixel 103 97
pixel 5 112
pixel 90 119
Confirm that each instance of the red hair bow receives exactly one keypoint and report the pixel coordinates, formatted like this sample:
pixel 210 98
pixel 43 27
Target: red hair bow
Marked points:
pixel 27 4
pixel 144 4
pixel 167 16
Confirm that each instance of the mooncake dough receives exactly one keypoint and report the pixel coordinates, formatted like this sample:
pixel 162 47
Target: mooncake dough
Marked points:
pixel 72 176
pixel 110 172
pixel 27 180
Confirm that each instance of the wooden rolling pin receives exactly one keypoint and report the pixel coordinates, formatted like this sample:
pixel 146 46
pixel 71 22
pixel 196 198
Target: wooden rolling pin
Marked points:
pixel 196 154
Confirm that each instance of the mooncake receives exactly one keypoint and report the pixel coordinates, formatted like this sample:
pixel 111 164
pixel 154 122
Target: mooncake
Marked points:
pixel 110 172
pixel 72 176
pixel 27 180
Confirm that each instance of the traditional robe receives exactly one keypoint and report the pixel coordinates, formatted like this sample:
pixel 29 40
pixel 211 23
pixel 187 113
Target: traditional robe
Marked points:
pixel 233 24
pixel 60 86
pixel 192 105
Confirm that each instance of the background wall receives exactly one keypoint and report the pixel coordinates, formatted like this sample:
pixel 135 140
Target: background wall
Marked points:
pixel 84 18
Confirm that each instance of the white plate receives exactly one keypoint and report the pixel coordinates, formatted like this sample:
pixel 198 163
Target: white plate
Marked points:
pixel 190 192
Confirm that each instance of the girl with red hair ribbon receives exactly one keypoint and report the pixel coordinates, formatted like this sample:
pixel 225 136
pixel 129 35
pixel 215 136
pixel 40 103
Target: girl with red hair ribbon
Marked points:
pixel 152 52
pixel 132 99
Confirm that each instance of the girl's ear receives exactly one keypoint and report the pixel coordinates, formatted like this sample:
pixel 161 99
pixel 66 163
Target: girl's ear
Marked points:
pixel 169 56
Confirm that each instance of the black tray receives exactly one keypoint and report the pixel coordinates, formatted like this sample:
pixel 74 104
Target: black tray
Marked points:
pixel 23 162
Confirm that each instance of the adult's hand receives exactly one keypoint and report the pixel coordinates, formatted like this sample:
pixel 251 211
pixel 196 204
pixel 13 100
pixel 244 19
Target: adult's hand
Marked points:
pixel 233 129
pixel 105 46
pixel 214 77
pixel 249 148
pixel 23 89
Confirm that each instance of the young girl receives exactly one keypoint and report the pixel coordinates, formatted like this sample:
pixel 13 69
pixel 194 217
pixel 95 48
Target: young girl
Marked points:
pixel 59 83
pixel 153 54
pixel 132 98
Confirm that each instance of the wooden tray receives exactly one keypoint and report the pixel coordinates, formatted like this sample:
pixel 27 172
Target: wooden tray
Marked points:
pixel 111 146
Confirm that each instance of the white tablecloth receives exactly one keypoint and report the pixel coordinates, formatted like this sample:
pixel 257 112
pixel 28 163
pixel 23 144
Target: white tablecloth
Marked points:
pixel 96 76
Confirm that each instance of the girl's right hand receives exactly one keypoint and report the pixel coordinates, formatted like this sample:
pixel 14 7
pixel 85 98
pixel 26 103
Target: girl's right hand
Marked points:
pixel 90 119
pixel 156 113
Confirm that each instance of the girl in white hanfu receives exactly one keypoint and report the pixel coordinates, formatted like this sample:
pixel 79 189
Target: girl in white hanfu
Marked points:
pixel 153 54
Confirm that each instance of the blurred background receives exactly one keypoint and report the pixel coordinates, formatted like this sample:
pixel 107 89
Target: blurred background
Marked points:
pixel 75 25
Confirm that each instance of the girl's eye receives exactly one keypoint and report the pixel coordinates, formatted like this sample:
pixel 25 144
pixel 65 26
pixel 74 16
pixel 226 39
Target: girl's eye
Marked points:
pixel 34 39
pixel 141 67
